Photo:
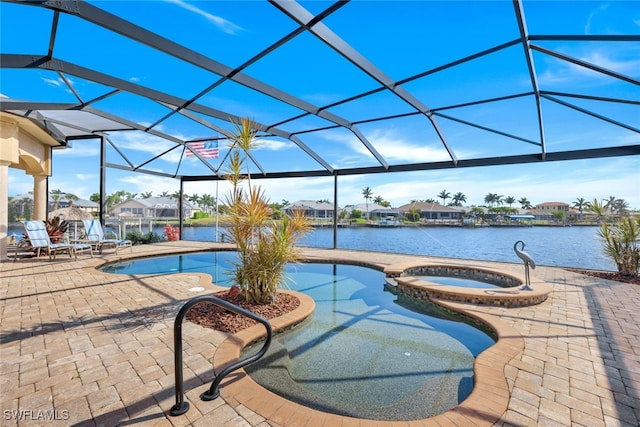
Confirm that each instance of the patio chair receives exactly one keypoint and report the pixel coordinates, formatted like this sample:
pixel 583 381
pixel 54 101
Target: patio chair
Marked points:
pixel 38 240
pixel 96 237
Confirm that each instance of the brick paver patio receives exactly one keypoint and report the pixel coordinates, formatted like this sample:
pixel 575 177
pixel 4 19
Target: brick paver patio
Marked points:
pixel 80 347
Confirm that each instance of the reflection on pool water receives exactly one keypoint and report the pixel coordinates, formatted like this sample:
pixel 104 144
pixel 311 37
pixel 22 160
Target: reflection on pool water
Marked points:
pixel 217 264
pixel 363 352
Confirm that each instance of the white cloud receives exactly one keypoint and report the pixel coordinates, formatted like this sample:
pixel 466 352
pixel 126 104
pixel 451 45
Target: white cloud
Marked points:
pixel 142 183
pixel 221 23
pixel 396 149
pixel 60 83
pixel 19 183
pixel 593 16
pixel 274 144
pixel 142 142
pixel 559 71
pixel 53 82
pixel 391 146
pixel 603 59
pixel 85 177
pixel 79 149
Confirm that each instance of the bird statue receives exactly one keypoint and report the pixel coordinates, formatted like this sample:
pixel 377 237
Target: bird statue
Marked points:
pixel 528 262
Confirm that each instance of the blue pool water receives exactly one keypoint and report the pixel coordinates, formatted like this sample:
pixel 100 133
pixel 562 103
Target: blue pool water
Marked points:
pixel 459 282
pixel 217 264
pixel 363 353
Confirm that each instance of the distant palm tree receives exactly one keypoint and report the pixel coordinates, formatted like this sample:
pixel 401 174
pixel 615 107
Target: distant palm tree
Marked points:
pixel 510 200
pixel 620 207
pixel 493 199
pixel 610 202
pixel 56 200
pixel 111 200
pixel 367 194
pixel 580 204
pixel 146 195
pixel 208 202
pixel 175 195
pixel 122 195
pixel 71 198
pixel 525 203
pixel 444 195
pixel 458 199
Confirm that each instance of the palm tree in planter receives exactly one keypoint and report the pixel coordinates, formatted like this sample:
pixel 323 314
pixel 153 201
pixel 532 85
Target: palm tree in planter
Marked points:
pixel 264 245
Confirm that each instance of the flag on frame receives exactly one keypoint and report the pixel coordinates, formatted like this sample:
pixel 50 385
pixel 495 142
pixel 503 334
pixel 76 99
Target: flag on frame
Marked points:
pixel 206 149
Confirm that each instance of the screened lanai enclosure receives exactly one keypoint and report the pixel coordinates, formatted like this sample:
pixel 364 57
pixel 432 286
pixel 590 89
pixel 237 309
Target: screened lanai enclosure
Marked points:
pixel 467 83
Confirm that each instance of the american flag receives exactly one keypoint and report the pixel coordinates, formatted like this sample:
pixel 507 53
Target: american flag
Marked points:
pixel 206 149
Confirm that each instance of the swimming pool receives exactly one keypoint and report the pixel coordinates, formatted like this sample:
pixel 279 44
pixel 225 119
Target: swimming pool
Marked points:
pixel 364 352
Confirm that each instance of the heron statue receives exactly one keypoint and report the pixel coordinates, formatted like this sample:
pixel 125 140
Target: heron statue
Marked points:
pixel 528 261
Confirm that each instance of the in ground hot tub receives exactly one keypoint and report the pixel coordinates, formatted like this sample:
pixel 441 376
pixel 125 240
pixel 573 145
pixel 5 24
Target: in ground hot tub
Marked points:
pixel 468 284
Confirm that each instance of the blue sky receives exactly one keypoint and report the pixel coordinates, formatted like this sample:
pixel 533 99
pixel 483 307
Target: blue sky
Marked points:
pixel 401 39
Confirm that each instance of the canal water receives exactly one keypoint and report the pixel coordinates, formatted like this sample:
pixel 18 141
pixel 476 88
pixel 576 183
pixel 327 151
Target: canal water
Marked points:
pixel 576 246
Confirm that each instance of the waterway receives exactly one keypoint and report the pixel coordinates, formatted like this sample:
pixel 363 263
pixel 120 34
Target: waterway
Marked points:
pixel 576 246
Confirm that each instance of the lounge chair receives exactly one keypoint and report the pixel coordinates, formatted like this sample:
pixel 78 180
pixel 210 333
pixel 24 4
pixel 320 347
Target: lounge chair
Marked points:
pixel 96 237
pixel 38 240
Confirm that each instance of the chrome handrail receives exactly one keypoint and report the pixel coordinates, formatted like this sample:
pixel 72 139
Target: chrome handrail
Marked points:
pixel 181 406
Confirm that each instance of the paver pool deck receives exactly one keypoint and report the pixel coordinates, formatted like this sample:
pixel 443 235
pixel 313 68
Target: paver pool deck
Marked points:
pixel 85 348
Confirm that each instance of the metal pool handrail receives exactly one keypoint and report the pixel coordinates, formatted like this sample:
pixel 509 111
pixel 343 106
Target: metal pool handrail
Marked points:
pixel 181 406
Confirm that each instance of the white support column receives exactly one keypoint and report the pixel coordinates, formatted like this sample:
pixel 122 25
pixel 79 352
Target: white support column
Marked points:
pixel 4 208
pixel 8 156
pixel 40 198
